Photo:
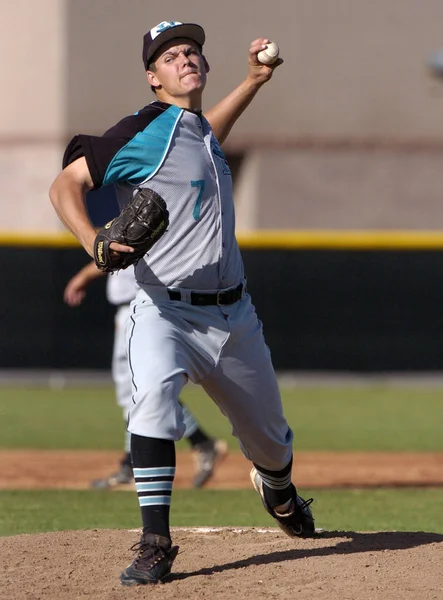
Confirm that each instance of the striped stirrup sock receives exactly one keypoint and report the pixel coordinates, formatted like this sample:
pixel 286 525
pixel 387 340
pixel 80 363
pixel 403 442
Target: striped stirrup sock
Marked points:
pixel 277 488
pixel 154 470
pixel 154 485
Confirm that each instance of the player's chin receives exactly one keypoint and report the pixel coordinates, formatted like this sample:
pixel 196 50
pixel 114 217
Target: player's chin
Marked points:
pixel 193 81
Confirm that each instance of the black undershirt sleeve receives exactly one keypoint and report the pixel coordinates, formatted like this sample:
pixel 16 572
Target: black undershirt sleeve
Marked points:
pixel 99 151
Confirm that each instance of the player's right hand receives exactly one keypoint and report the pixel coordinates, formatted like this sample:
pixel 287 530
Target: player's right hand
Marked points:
pixel 258 72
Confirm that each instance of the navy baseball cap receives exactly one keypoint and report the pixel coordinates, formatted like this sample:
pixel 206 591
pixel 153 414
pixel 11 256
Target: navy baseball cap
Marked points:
pixel 168 30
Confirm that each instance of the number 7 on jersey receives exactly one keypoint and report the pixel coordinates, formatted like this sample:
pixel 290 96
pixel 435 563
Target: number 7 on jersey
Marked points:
pixel 200 184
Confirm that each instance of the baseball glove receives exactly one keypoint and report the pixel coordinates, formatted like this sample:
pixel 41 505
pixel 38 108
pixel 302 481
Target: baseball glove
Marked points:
pixel 140 225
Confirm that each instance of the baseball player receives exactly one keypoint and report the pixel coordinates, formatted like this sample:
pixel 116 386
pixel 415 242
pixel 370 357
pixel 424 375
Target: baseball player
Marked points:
pixel 193 318
pixel 121 289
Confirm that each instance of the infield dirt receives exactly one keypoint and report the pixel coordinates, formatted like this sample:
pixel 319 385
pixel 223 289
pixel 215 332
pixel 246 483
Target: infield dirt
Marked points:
pixel 44 469
pixel 226 563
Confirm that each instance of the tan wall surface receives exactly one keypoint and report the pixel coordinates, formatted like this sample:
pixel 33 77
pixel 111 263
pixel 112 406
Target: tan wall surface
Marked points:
pixel 352 68
pixel 343 189
pixel 26 172
pixel 33 110
pixel 32 67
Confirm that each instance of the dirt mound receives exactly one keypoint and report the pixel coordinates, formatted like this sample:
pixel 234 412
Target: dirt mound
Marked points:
pixel 227 564
pixel 45 469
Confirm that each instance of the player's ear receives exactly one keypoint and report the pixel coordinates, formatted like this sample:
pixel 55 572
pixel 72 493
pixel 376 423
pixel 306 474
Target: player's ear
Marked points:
pixel 152 79
pixel 205 62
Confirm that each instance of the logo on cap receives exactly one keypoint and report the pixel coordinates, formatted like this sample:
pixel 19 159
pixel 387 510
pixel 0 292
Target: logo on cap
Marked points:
pixel 158 29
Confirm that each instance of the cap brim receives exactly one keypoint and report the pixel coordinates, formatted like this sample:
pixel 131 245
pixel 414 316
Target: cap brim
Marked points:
pixel 187 30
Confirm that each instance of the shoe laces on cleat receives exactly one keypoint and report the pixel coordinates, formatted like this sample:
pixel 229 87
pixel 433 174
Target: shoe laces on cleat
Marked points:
pixel 148 555
pixel 298 521
pixel 153 562
pixel 302 504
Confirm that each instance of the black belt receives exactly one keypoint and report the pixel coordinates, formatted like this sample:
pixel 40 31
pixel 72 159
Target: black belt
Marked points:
pixel 221 298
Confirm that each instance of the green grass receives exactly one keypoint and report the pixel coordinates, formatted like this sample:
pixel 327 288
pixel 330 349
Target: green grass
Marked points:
pixel 72 418
pixel 372 417
pixel 345 510
pixel 378 418
pixel 323 418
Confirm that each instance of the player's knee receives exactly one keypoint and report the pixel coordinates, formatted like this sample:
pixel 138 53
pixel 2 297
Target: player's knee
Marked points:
pixel 269 450
pixel 157 413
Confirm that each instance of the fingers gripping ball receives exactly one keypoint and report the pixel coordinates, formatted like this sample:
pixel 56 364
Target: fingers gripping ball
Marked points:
pixel 269 55
pixel 140 225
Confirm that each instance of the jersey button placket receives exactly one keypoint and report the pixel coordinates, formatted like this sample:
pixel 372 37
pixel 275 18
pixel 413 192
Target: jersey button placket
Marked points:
pixel 207 140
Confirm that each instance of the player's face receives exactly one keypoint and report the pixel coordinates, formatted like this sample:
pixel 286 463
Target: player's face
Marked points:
pixel 180 70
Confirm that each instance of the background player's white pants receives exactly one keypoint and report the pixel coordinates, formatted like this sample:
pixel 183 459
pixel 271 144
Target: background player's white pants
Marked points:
pixel 220 347
pixel 122 376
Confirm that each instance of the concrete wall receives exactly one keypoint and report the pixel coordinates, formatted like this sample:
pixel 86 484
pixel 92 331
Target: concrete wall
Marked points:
pixel 32 63
pixel 33 110
pixel 352 68
pixel 353 71
pixel 358 188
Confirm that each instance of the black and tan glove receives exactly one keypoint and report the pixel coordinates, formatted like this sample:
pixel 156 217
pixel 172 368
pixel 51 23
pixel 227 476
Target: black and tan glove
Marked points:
pixel 140 225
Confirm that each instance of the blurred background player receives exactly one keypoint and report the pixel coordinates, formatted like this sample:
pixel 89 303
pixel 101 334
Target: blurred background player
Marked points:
pixel 120 290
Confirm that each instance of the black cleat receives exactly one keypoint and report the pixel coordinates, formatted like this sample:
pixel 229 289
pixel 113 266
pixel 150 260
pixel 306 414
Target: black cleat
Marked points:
pixel 153 562
pixel 207 455
pixel 123 476
pixel 298 522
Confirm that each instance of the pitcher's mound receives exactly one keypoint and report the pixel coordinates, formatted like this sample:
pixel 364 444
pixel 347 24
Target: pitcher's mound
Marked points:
pixel 227 563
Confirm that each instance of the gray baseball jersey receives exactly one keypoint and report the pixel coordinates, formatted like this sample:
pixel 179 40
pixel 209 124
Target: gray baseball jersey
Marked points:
pixel 161 147
pixel 173 333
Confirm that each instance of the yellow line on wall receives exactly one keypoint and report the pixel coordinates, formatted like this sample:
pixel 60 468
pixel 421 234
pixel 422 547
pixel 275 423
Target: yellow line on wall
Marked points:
pixel 38 240
pixel 342 240
pixel 317 239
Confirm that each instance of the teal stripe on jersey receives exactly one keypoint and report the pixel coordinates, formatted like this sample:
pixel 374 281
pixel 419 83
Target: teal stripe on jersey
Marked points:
pixel 154 486
pixel 154 472
pixel 154 500
pixel 142 156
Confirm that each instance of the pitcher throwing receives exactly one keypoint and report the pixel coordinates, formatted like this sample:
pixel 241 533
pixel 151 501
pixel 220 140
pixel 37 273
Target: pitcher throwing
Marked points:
pixel 193 318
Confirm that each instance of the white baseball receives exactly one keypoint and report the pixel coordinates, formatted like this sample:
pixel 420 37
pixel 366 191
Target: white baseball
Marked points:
pixel 269 55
